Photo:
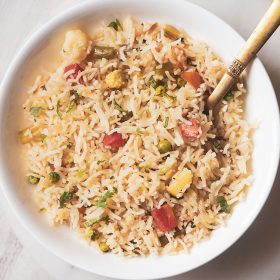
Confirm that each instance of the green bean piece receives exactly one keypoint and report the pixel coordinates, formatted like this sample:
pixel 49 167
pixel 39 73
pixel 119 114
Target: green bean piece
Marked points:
pixel 104 52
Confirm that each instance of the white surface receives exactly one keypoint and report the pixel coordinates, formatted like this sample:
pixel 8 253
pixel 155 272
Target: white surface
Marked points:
pixel 43 46
pixel 258 251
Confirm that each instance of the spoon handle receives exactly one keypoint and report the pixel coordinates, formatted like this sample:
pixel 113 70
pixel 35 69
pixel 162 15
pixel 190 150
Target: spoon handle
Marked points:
pixel 265 28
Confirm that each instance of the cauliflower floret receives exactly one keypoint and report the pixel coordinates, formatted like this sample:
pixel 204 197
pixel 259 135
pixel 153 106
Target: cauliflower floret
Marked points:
pixel 75 45
pixel 114 79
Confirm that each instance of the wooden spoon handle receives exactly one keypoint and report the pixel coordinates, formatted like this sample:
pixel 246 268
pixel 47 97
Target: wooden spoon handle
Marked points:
pixel 266 27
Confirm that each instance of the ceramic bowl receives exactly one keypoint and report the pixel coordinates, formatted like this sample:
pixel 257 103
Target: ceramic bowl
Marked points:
pixel 261 109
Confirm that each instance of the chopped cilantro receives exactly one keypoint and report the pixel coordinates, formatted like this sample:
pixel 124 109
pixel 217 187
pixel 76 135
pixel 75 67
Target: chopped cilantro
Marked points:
pixel 223 204
pixel 64 198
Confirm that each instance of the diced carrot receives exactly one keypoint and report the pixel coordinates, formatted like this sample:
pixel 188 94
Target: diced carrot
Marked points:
pixel 75 67
pixel 164 218
pixel 189 131
pixel 193 78
pixel 113 141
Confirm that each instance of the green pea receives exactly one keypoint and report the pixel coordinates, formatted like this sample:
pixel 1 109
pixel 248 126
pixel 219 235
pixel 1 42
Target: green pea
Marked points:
pixel 33 180
pixel 164 146
pixel 54 177
pixel 181 82
pixel 104 247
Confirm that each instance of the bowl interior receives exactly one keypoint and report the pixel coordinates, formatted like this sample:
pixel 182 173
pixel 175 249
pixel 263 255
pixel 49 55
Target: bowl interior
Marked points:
pixel 42 50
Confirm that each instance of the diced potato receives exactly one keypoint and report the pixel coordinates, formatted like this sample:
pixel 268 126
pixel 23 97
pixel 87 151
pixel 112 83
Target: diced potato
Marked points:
pixel 75 45
pixel 180 183
pixel 114 79
pixel 141 190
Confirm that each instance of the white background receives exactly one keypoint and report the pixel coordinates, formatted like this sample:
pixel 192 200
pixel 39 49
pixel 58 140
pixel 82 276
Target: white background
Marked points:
pixel 255 256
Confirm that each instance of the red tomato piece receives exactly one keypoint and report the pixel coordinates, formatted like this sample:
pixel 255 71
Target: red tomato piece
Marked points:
pixel 189 131
pixel 82 210
pixel 164 218
pixel 113 141
pixel 193 78
pixel 75 67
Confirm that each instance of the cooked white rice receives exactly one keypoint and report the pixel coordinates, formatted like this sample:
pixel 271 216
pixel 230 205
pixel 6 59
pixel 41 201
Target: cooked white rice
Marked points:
pixel 66 136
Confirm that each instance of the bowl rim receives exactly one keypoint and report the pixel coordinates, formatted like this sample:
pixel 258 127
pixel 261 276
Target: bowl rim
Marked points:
pixel 36 37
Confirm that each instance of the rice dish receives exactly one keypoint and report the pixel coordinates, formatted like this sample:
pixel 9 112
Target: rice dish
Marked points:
pixel 120 148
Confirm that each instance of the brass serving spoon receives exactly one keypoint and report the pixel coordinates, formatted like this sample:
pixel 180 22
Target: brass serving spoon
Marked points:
pixel 263 31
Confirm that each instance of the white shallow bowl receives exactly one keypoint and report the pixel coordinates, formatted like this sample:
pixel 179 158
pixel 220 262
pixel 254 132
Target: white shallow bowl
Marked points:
pixel 261 107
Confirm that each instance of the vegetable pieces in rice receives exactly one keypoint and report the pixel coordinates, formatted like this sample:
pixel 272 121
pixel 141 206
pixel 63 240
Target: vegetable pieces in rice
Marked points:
pixel 119 147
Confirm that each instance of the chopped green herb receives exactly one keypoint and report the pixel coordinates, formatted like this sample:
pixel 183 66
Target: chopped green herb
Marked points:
pixel 127 116
pixel 33 180
pixel 74 101
pixel 102 201
pixel 58 109
pixel 43 137
pixel 166 121
pixel 95 235
pixel 101 161
pixel 35 111
pixel 229 96
pixel 115 24
pixel 181 82
pixel 223 204
pixel 118 107
pixel 189 61
pixel 54 177
pixel 119 24
pixel 64 198
pixel 216 144
pixel 75 93
pixel 70 106
pixel 42 210
pixel 139 131
pixel 81 172
pixel 95 221
pixel 92 222
pixel 168 96
pixel 155 83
